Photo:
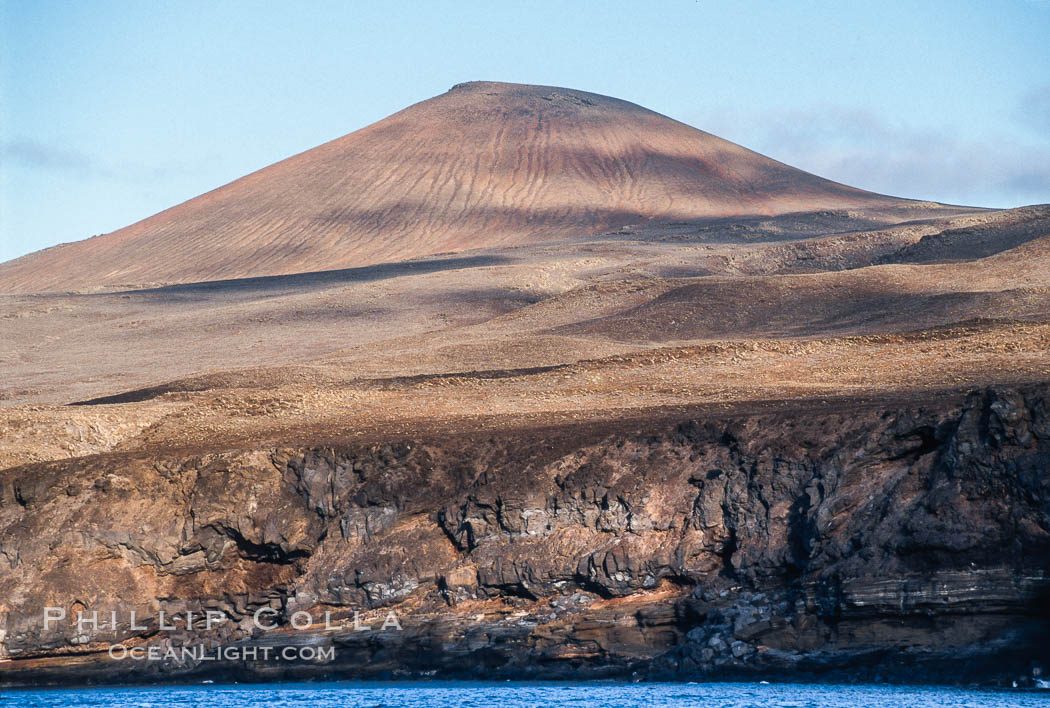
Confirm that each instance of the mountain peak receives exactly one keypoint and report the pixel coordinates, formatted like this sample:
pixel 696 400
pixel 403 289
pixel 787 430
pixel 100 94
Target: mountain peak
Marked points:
pixel 484 164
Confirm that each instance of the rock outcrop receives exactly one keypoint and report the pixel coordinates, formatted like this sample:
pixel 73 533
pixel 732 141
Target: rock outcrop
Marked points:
pixel 896 541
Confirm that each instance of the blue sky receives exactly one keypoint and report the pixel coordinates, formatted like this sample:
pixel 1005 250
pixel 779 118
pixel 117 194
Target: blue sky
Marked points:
pixel 112 111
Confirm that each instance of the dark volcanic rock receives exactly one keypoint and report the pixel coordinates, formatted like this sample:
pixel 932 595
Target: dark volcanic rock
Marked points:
pixel 899 543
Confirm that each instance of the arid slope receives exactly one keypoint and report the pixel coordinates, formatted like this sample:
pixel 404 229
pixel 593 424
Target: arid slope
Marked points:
pixel 485 164
pixel 672 410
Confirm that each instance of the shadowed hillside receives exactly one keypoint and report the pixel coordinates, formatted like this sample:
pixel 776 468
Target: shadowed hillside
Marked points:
pixel 485 164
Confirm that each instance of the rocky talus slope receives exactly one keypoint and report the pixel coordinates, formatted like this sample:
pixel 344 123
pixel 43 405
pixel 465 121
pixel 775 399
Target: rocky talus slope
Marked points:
pixel 897 541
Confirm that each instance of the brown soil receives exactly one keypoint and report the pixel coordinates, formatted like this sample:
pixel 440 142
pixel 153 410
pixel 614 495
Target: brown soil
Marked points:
pixel 602 329
pixel 485 164
pixel 658 374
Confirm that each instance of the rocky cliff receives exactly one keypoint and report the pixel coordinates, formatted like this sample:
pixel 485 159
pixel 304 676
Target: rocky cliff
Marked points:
pixel 895 541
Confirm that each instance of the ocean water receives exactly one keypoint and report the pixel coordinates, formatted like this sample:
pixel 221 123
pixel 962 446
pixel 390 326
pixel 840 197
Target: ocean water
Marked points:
pixel 528 695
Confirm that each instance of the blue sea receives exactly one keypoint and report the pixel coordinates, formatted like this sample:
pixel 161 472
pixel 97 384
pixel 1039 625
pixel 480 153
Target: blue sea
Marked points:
pixel 528 695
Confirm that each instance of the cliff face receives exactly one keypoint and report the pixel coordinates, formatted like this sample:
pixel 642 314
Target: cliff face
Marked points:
pixel 891 541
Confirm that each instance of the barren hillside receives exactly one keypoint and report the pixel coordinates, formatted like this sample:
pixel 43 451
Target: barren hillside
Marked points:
pixel 669 410
pixel 485 164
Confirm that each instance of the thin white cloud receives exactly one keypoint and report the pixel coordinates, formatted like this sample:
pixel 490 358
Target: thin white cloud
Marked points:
pixel 860 148
pixel 30 153
pixel 1034 109
pixel 27 153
